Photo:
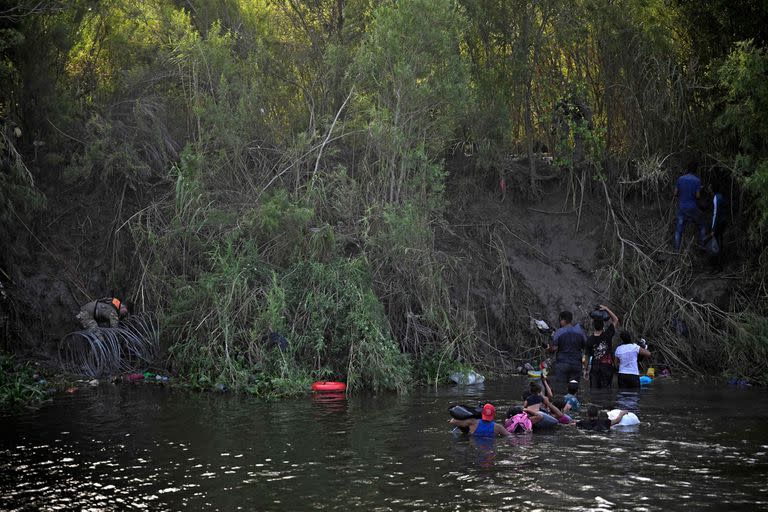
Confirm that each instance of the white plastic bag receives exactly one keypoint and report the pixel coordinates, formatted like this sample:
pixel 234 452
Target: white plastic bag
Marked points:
pixel 627 420
pixel 467 378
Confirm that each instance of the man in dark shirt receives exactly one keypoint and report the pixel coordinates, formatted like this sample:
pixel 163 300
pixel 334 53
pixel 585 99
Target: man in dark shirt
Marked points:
pixel 568 345
pixel 600 350
pixel 688 190
pixel 598 420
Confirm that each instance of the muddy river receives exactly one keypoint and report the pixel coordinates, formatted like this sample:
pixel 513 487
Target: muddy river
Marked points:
pixel 144 447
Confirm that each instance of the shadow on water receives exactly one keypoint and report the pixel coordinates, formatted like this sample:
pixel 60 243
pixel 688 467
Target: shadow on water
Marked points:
pixel 628 400
pixel 137 447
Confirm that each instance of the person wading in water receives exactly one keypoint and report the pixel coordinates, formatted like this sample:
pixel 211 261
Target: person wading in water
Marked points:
pixel 485 427
pixel 568 344
pixel 600 349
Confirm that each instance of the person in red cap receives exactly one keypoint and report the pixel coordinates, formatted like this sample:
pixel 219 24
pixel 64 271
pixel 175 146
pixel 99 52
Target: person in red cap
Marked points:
pixel 484 427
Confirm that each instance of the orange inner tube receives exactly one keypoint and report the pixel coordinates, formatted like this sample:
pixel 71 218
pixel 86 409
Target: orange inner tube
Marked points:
pixel 328 386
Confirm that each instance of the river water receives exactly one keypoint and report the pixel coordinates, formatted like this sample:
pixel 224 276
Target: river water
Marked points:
pixel 134 447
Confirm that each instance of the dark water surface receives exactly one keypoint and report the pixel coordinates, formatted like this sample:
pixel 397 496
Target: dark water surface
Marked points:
pixel 145 447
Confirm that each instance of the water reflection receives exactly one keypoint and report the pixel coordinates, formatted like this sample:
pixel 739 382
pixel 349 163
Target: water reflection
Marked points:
pixel 628 400
pixel 484 450
pixel 330 402
pixel 524 439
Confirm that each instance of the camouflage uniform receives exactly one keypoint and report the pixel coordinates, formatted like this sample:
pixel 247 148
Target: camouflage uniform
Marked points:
pixel 97 311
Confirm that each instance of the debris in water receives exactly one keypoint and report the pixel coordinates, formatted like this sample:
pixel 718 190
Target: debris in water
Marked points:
pixel 467 378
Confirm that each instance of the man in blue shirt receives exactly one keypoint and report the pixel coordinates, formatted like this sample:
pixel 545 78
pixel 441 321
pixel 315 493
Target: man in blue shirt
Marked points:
pixel 688 190
pixel 568 345
pixel 571 400
pixel 484 427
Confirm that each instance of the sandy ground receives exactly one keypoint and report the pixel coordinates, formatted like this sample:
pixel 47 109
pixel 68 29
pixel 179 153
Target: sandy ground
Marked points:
pixel 520 258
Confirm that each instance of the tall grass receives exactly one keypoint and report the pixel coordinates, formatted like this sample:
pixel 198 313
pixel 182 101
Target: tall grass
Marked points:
pixel 653 285
pixel 233 274
pixel 17 385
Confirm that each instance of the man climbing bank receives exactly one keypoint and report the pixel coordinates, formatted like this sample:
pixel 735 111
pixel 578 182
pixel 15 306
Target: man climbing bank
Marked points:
pixel 108 311
pixel 688 191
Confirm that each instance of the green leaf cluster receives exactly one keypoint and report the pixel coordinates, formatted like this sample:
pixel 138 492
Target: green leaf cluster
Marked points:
pixel 742 76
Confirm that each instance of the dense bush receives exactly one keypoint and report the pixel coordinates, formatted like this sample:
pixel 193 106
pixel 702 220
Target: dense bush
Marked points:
pixel 742 77
pixel 279 166
pixel 17 385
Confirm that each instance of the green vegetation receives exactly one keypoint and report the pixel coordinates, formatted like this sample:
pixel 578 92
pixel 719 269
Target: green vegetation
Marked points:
pixel 17 384
pixel 742 78
pixel 254 166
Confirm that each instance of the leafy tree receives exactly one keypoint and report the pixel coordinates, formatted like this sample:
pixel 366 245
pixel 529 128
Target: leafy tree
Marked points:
pixel 743 78
pixel 412 89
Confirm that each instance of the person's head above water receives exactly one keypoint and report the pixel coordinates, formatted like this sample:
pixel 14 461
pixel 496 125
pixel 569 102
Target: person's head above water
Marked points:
pixel 573 387
pixel 514 411
pixel 602 415
pixel 592 411
pixel 535 387
pixel 692 166
pixel 565 317
pixel 489 412
pixel 625 337
pixel 598 324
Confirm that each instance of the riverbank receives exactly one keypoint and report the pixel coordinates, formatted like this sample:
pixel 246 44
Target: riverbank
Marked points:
pixel 28 385
pixel 395 189
pixel 22 385
pixel 507 262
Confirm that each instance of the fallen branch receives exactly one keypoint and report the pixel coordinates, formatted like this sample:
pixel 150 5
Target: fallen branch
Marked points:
pixel 330 131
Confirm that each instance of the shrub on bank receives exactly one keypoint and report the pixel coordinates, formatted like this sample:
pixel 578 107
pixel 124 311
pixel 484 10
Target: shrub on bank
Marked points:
pixel 17 384
pixel 334 326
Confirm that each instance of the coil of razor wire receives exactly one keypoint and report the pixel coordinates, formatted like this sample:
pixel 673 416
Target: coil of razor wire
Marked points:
pixel 111 350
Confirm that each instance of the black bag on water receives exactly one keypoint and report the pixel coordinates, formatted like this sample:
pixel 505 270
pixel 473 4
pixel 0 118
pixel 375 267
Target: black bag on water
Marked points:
pixel 464 412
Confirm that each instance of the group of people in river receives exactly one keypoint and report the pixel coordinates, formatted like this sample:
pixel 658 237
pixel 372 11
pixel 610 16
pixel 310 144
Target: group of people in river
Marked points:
pixel 592 357
pixel 540 409
pixel 577 356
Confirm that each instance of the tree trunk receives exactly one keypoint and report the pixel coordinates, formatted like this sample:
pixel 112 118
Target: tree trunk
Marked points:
pixel 528 117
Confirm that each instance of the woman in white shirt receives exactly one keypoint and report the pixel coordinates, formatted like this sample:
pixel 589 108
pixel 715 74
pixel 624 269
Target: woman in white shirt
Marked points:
pixel 627 354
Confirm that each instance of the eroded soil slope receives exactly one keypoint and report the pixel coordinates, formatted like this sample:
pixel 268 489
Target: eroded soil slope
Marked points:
pixel 519 257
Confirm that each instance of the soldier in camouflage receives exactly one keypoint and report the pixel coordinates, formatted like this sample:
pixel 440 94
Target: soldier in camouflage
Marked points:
pixel 108 310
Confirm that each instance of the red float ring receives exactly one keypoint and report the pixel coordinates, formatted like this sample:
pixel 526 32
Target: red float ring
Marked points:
pixel 328 386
